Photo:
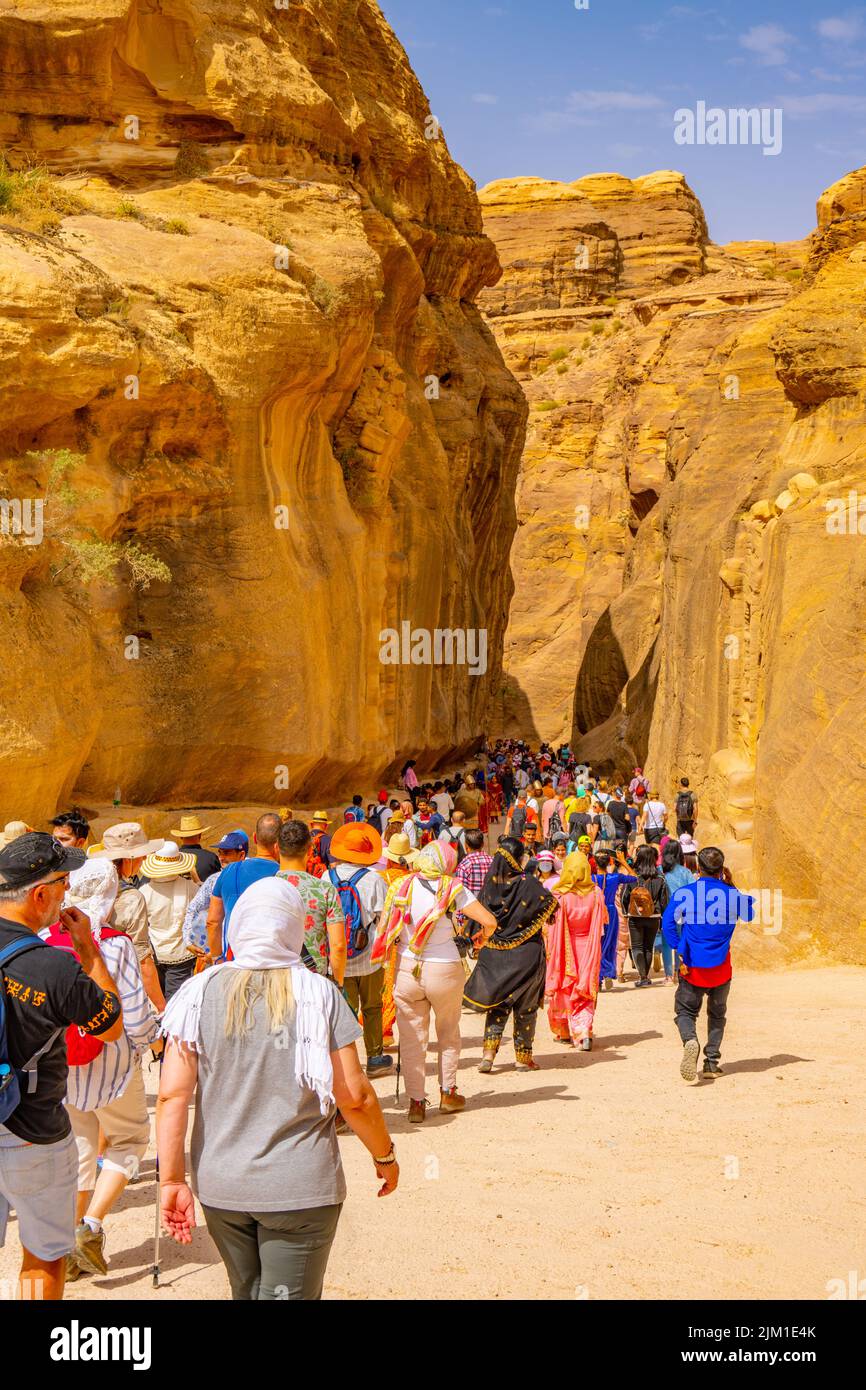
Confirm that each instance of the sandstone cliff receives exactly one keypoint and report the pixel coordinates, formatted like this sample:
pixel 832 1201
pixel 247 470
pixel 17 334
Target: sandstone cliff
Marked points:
pixel 241 364
pixel 681 597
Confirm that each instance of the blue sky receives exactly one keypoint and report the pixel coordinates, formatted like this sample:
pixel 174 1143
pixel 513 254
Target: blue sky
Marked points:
pixel 540 87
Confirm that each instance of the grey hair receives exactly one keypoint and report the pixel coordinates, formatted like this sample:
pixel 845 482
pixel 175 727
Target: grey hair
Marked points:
pixel 14 896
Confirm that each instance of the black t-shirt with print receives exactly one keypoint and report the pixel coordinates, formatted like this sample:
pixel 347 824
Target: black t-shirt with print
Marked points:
pixel 45 989
pixel 619 815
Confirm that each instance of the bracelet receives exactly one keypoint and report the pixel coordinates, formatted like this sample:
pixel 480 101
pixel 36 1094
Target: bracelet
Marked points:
pixel 389 1158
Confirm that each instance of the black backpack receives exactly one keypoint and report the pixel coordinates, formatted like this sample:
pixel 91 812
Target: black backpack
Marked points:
pixel 685 806
pixel 456 841
pixel 518 821
pixel 555 826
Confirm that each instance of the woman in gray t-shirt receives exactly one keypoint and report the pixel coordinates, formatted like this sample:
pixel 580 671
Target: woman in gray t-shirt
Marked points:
pixel 268 1049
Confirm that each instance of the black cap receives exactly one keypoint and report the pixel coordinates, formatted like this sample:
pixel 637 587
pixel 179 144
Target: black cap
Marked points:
pixel 35 855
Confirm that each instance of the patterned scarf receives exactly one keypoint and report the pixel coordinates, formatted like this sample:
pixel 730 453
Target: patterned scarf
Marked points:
pixel 437 863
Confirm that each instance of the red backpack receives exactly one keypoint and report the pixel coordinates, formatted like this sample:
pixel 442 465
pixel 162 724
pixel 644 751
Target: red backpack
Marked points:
pixel 315 864
pixel 81 1048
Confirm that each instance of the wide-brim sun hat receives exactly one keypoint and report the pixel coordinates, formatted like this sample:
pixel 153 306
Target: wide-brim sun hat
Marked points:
pixel 126 841
pixel 399 847
pixel 13 830
pixel 687 844
pixel 356 843
pixel 168 863
pixel 189 825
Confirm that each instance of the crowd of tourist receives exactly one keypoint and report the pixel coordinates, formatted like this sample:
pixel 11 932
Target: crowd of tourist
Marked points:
pixel 251 967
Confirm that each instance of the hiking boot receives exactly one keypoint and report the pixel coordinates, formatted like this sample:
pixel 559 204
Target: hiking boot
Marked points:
pixel 417 1111
pixel 379 1066
pixel 689 1063
pixel 73 1269
pixel 526 1062
pixel 451 1101
pixel 90 1249
pixel 489 1057
pixel 711 1068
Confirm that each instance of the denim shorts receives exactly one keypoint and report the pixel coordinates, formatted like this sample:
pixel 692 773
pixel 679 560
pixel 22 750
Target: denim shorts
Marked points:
pixel 39 1182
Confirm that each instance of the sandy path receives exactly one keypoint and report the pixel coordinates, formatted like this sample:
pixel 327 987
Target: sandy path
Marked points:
pixel 602 1176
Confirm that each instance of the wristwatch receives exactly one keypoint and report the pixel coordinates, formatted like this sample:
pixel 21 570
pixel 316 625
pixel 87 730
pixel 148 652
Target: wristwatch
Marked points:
pixel 389 1158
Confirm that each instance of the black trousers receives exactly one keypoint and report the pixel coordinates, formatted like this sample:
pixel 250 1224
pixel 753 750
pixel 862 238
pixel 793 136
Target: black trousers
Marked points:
pixel 642 934
pixel 685 827
pixel 687 1006
pixel 171 977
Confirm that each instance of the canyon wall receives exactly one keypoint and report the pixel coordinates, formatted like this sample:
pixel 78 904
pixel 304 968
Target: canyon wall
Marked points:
pixel 690 569
pixel 243 370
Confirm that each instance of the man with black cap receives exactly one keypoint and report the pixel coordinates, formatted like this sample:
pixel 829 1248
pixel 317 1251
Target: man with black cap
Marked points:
pixel 44 992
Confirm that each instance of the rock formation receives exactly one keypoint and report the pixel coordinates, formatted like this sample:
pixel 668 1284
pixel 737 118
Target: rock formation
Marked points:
pixel 242 367
pixel 689 565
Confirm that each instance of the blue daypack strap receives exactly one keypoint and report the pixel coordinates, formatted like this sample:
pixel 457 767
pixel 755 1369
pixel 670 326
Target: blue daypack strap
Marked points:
pixel 17 948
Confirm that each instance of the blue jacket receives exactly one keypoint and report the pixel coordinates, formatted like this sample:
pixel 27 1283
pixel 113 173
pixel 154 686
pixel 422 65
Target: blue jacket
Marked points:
pixel 700 918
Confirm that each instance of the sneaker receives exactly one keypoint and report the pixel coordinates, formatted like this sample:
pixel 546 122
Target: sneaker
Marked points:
pixel 417 1111
pixel 689 1063
pixel 90 1249
pixel 379 1066
pixel 451 1101
pixel 712 1069
pixel 586 1044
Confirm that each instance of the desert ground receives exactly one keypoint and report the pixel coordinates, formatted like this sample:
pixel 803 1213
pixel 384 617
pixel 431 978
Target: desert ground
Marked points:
pixel 603 1176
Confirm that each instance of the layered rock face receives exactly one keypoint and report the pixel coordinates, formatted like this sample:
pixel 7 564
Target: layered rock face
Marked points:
pixel 242 367
pixel 688 509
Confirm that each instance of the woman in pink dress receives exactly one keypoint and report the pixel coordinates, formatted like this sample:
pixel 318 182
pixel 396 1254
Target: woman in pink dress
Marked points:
pixel 574 954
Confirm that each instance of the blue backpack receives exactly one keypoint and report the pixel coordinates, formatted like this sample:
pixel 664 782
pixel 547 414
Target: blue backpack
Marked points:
pixel 357 936
pixel 15 1081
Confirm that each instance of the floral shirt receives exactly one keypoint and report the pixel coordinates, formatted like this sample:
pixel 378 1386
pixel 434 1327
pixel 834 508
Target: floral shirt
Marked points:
pixel 322 902
pixel 195 921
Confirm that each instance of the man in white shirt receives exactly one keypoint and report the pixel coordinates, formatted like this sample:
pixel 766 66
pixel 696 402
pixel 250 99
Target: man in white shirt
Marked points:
pixel 442 800
pixel 521 778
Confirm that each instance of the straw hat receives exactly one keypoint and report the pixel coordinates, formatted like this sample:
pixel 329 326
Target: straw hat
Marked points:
pixel 125 841
pixel 13 830
pixel 399 847
pixel 320 818
pixel 190 825
pixel 168 863
pixel 356 843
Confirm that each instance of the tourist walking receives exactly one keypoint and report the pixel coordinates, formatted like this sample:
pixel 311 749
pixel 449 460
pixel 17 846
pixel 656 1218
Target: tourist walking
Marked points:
pixel 510 972
pixel 38 1156
pixel 168 891
pixel 418 917
pixel 676 876
pixel 612 873
pixel 574 938
pixel 267 1048
pixel 355 849
pixel 643 902
pixel 127 846
pixel 698 924
pixel 324 948
pixel 105 1089
pixel 188 836
pixel 235 878
pixel 409 779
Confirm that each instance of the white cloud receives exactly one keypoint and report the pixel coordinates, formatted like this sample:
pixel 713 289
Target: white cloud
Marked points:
pixel 824 103
pixel 587 108
pixel 625 151
pixel 484 98
pixel 842 28
pixel 769 42
pixel 824 76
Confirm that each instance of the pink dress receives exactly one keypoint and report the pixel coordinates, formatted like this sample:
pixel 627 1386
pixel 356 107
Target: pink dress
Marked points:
pixel 573 963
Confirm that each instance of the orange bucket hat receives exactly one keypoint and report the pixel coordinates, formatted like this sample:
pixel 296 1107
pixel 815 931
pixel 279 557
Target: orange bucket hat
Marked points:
pixel 356 843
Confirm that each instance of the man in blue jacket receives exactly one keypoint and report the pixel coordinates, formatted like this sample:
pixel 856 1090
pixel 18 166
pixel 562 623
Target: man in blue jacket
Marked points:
pixel 699 922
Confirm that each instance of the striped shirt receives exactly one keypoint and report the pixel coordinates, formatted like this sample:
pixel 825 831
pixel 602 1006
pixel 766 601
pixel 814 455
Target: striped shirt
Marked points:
pixel 101 1081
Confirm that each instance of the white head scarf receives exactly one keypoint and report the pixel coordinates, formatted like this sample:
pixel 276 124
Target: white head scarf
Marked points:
pixel 93 889
pixel 266 932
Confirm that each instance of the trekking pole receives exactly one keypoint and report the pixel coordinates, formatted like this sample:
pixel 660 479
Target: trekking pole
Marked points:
pixel 397 1092
pixel 156 1225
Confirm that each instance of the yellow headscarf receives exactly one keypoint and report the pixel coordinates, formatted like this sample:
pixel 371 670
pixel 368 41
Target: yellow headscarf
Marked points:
pixel 576 876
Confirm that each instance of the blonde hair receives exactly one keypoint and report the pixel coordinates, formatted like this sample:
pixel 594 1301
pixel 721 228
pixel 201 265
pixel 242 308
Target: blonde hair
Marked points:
pixel 242 991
